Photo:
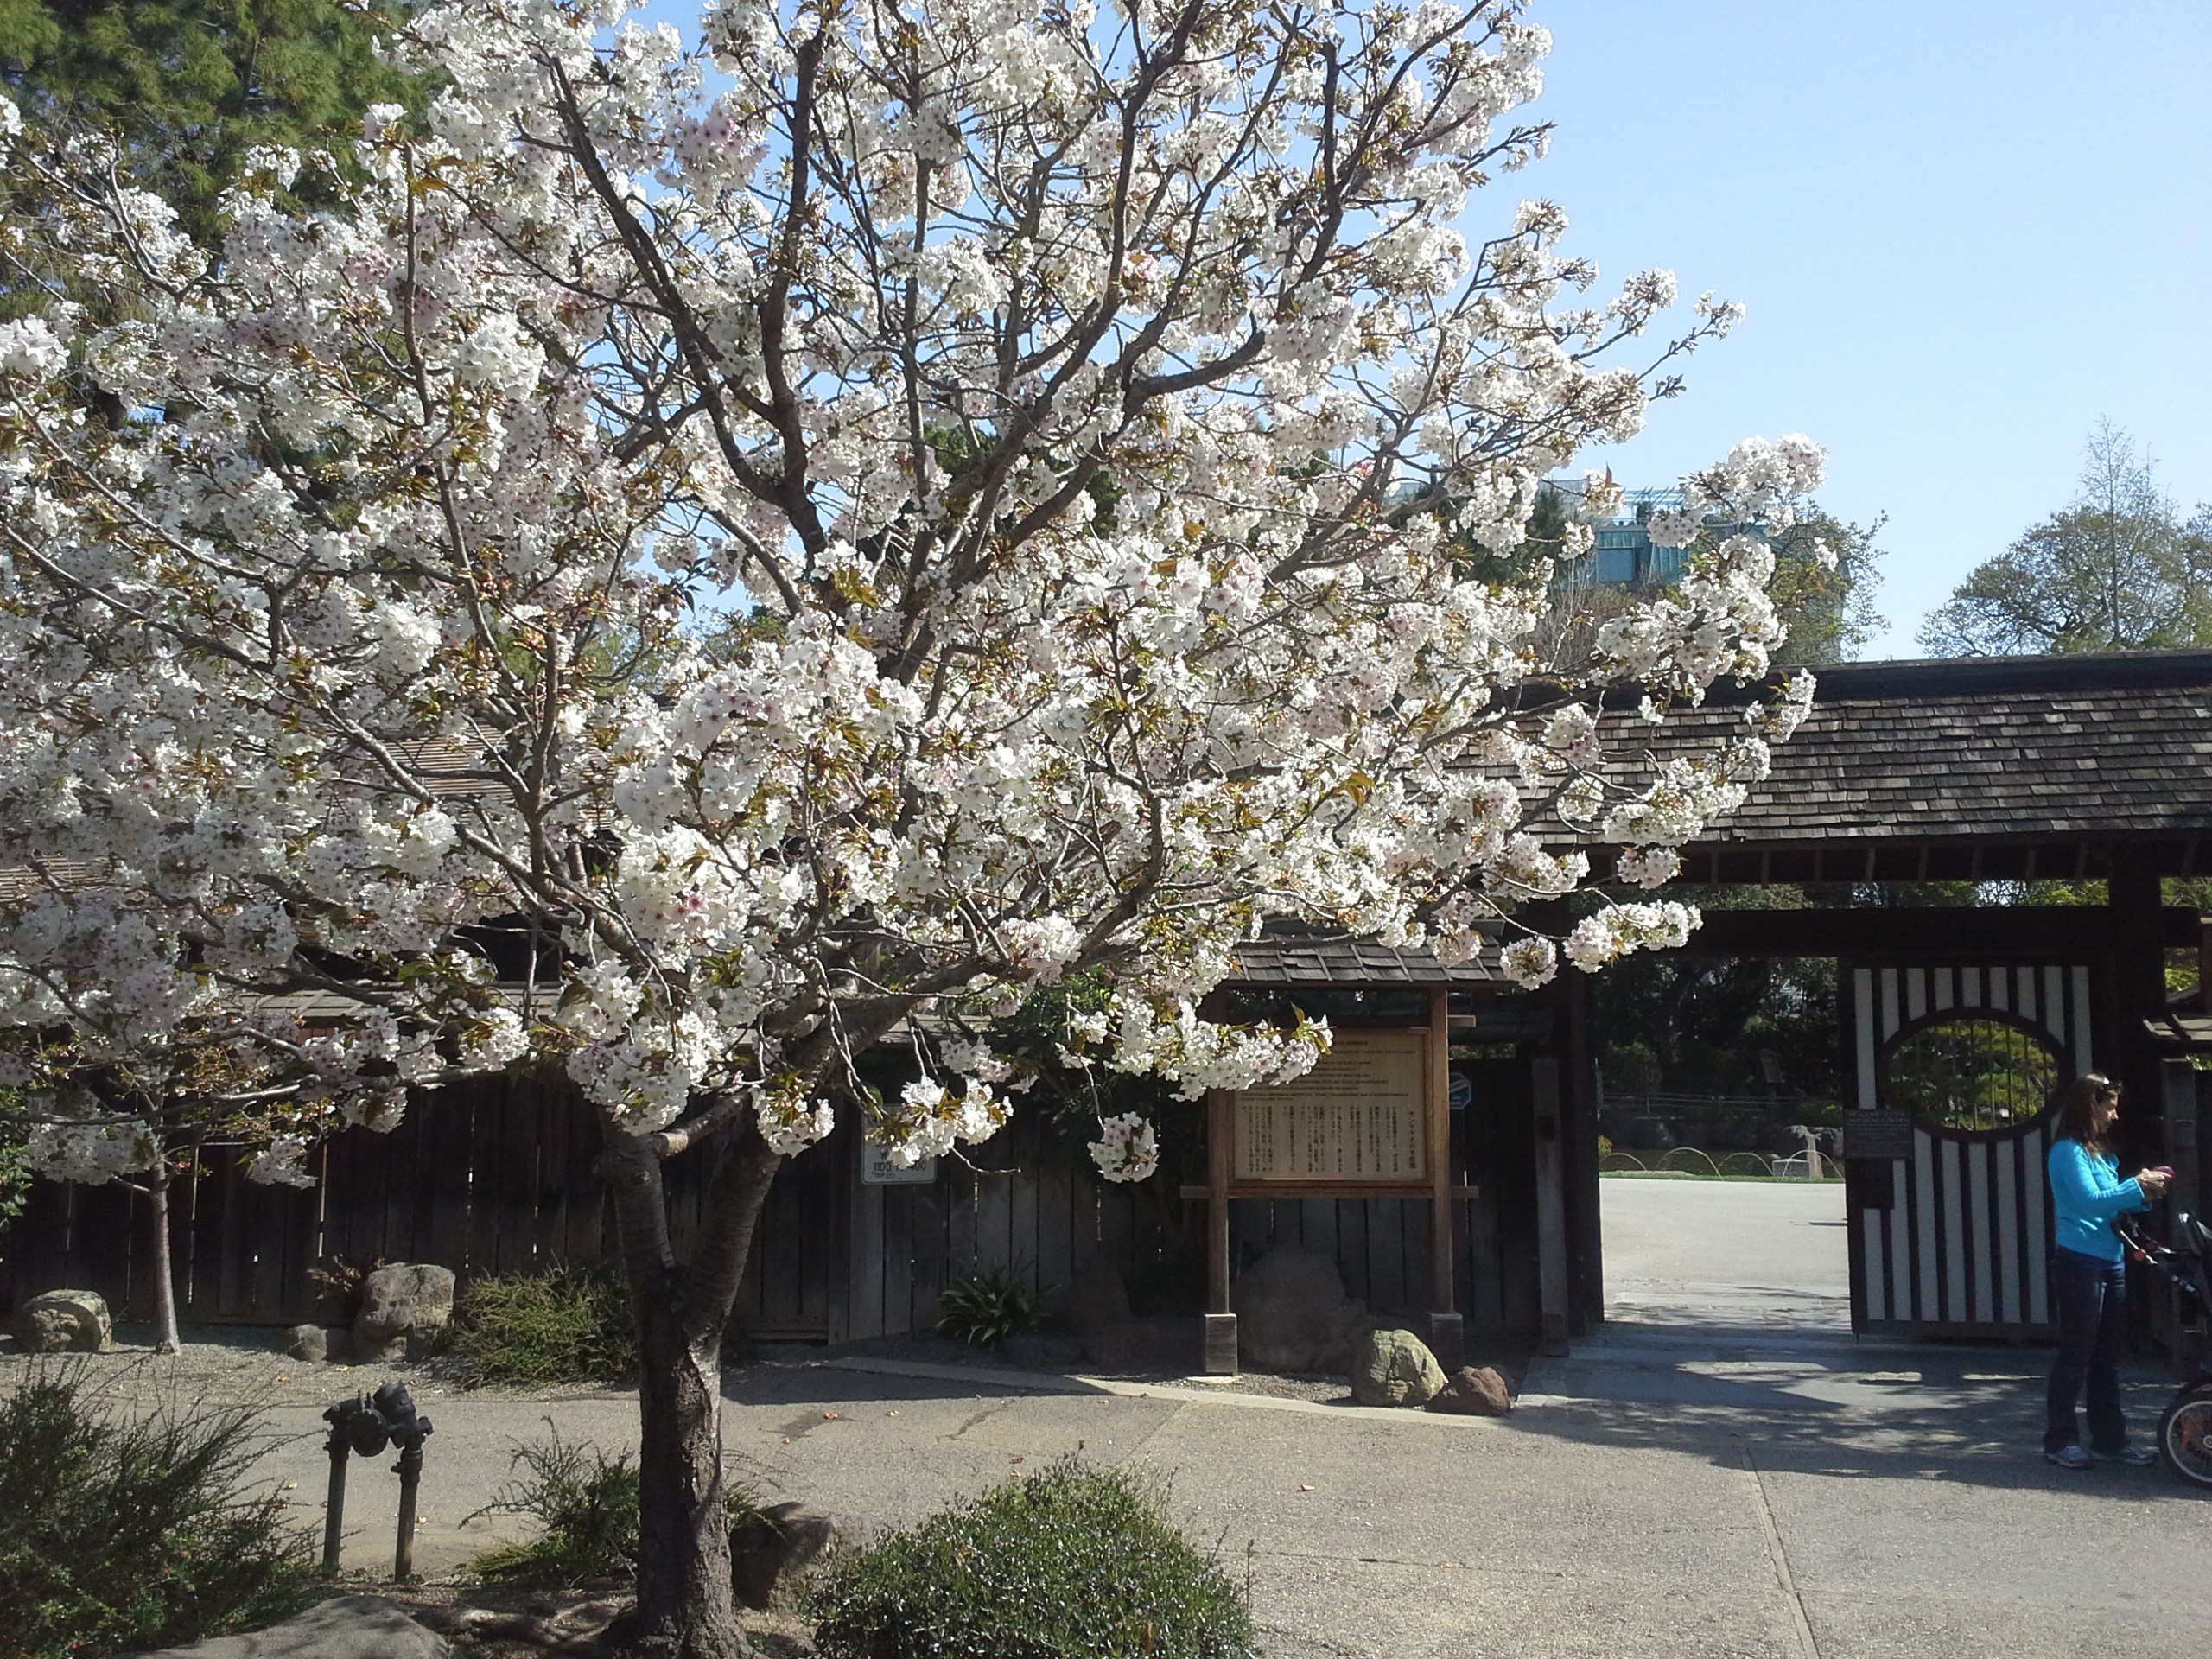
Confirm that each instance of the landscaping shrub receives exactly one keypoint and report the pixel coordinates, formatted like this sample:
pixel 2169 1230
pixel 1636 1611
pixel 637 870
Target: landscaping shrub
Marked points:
pixel 1074 1562
pixel 119 1533
pixel 984 1309
pixel 586 1504
pixel 569 1323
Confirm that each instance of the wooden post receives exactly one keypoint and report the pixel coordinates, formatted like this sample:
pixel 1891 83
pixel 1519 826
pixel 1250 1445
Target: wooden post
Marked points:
pixel 1217 1355
pixel 2204 963
pixel 1551 1209
pixel 1446 1333
pixel 2178 1101
pixel 2140 987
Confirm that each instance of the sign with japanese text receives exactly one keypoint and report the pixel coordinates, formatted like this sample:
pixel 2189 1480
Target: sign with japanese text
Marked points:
pixel 1358 1115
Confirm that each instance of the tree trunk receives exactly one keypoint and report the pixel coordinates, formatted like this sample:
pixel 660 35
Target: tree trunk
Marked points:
pixel 166 1339
pixel 685 1608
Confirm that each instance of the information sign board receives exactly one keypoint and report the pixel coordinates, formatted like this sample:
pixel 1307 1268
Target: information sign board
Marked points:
pixel 1360 1115
pixel 1879 1132
pixel 877 1170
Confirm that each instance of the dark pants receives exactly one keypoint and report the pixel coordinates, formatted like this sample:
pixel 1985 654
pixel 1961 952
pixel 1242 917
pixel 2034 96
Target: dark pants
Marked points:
pixel 2092 1327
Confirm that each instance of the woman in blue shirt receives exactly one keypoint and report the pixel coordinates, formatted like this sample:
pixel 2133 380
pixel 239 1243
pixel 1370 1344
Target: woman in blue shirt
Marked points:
pixel 2088 1275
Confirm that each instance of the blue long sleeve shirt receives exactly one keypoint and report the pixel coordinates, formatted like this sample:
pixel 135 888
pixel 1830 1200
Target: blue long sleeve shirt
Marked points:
pixel 2086 1193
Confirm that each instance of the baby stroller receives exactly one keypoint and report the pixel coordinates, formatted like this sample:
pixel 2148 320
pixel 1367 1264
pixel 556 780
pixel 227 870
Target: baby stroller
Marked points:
pixel 2185 1430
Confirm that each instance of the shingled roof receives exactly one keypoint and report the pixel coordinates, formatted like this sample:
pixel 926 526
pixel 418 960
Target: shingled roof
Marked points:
pixel 1299 956
pixel 1975 767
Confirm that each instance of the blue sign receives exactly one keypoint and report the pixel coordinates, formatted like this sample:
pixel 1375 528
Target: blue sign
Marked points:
pixel 1462 1091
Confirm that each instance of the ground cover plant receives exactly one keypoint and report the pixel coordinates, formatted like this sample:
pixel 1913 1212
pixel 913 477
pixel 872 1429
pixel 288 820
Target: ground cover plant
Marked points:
pixel 568 1324
pixel 121 1532
pixel 984 1309
pixel 586 1504
pixel 1074 1562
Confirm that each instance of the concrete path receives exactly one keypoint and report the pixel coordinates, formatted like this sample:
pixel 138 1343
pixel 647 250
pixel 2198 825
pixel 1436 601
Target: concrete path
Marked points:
pixel 1750 1487
pixel 1809 1506
pixel 1756 1255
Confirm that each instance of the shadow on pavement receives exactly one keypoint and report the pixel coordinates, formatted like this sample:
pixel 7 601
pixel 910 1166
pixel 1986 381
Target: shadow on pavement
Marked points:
pixel 1890 1412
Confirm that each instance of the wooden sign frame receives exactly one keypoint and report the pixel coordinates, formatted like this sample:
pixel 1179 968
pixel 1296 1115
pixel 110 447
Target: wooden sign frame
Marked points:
pixel 1434 1184
pixel 1357 1119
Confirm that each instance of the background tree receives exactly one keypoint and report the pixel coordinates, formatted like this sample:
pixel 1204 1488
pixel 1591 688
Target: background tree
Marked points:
pixel 1082 411
pixel 126 1048
pixel 2118 569
pixel 190 87
pixel 1826 573
pixel 1752 1027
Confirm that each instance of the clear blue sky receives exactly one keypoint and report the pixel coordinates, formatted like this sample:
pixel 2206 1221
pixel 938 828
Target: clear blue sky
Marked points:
pixel 1963 230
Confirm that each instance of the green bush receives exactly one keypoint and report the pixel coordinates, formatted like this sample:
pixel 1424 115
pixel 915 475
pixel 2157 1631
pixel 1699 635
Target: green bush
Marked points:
pixel 14 1180
pixel 586 1504
pixel 120 1533
pixel 15 1187
pixel 1074 1562
pixel 984 1309
pixel 569 1323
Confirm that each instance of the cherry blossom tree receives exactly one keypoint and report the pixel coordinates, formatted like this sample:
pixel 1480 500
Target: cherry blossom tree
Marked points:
pixel 748 544
pixel 131 1038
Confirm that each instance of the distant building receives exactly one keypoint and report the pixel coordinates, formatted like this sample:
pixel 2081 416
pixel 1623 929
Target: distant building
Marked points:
pixel 1625 555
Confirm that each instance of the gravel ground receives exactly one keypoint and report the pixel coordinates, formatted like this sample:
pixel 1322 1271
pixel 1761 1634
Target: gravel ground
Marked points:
pixel 235 1363
pixel 246 1363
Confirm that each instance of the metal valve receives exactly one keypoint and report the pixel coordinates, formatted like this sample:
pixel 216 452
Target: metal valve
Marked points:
pixel 363 1426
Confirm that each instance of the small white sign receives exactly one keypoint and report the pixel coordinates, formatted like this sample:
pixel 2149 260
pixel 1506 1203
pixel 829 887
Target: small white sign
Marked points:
pixel 878 1169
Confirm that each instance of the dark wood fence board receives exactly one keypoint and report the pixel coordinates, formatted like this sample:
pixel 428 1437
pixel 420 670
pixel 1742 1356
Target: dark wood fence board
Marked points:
pixel 1055 1225
pixel 499 1177
pixel 960 1211
pixel 929 1240
pixel 865 1263
pixel 1024 1246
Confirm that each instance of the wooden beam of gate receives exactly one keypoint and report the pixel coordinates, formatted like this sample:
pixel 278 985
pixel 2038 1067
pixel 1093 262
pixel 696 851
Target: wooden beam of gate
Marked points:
pixel 1929 931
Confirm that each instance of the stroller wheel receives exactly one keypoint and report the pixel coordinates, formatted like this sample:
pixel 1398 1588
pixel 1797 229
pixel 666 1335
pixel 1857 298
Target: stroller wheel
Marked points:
pixel 2185 1435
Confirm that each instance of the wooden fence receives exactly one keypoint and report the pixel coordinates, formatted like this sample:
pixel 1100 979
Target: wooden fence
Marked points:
pixel 498 1177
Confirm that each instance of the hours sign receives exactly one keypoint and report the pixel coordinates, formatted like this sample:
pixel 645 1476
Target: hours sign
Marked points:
pixel 1358 1115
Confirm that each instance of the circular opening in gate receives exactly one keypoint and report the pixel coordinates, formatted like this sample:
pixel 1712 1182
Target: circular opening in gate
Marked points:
pixel 1967 1071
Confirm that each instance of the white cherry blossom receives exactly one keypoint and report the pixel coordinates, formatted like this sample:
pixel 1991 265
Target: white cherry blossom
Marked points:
pixel 692 562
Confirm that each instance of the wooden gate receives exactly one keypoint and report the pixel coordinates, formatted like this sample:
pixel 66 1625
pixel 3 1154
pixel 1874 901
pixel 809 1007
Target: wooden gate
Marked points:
pixel 1949 1232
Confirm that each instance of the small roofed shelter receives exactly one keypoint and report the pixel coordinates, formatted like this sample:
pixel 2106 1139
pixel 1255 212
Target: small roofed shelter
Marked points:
pixel 2077 768
pixel 1443 1152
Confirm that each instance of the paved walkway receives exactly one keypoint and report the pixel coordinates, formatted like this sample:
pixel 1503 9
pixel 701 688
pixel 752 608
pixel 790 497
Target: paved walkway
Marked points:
pixel 1731 1254
pixel 1762 1490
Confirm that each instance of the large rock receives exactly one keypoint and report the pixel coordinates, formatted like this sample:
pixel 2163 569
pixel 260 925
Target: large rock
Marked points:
pixel 404 1311
pixel 345 1627
pixel 770 1545
pixel 1095 1297
pixel 64 1322
pixel 1395 1368
pixel 1474 1392
pixel 1293 1314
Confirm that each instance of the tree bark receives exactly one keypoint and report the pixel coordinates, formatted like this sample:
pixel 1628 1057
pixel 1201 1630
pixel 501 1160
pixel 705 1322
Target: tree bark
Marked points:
pixel 685 1608
pixel 166 1338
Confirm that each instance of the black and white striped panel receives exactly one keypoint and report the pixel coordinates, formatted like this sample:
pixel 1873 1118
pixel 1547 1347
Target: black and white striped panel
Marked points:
pixel 1965 1241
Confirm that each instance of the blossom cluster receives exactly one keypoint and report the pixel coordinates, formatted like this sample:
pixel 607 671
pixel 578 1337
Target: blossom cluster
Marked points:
pixel 648 579
pixel 1128 1149
pixel 929 1119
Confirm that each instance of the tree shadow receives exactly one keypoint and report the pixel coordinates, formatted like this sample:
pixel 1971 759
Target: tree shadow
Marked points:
pixel 1973 1418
